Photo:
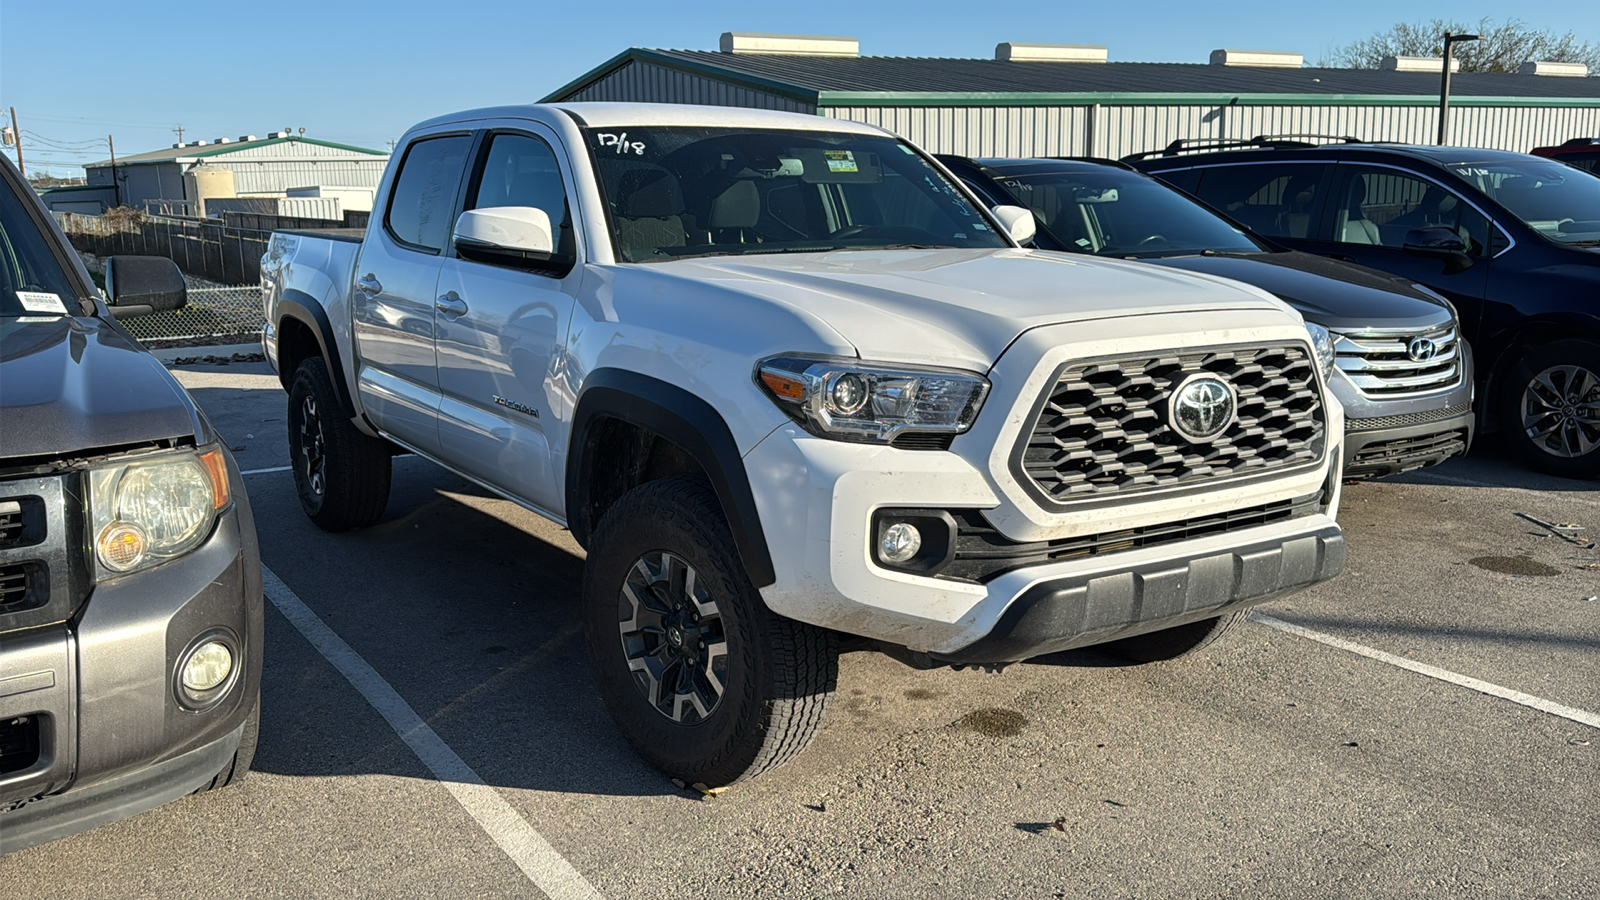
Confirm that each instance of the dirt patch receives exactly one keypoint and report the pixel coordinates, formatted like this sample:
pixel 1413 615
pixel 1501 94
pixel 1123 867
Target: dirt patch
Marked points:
pixel 1513 565
pixel 992 722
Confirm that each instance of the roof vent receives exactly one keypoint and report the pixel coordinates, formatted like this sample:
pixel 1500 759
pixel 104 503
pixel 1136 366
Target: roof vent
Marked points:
pixel 199 143
pixel 1079 53
pixel 277 134
pixel 1417 64
pixel 177 145
pixel 247 137
pixel 1563 69
pixel 222 141
pixel 793 44
pixel 1272 59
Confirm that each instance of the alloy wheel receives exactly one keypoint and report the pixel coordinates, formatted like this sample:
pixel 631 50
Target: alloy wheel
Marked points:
pixel 1561 411
pixel 313 447
pixel 673 638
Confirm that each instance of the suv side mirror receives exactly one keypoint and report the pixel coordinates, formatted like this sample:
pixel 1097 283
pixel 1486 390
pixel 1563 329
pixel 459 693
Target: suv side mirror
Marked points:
pixel 1017 221
pixel 505 235
pixel 1439 243
pixel 141 285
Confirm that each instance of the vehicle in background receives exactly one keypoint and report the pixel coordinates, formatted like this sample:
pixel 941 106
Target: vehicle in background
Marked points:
pixel 130 579
pixel 1580 153
pixel 1512 240
pixel 1403 374
pixel 790 385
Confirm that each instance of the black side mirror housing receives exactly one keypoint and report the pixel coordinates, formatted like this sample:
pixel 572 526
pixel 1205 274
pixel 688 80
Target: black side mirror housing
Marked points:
pixel 1439 243
pixel 141 285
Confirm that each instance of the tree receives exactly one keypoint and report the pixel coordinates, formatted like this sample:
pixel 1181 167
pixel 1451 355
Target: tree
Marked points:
pixel 40 180
pixel 1504 46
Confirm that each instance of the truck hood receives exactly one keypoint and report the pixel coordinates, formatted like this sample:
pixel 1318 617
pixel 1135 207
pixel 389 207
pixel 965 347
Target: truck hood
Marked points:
pixel 1339 296
pixel 73 385
pixel 953 307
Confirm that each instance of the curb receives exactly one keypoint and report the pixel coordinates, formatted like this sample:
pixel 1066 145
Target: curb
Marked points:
pixel 168 354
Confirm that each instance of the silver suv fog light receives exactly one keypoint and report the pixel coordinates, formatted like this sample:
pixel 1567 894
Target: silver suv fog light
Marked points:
pixel 207 670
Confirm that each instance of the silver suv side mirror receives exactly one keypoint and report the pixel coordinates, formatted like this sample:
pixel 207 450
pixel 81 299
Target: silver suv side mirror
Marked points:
pixel 505 234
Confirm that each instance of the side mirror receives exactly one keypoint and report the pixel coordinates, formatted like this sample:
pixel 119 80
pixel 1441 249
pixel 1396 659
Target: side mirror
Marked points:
pixel 1439 243
pixel 509 235
pixel 141 285
pixel 1018 222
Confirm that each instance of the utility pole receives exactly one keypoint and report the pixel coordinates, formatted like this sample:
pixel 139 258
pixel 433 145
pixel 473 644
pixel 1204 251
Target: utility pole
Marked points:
pixel 116 189
pixel 18 133
pixel 1444 82
pixel 179 132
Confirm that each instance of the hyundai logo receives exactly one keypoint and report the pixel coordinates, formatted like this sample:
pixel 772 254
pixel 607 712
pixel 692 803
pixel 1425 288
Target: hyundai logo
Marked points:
pixel 1422 349
pixel 1202 409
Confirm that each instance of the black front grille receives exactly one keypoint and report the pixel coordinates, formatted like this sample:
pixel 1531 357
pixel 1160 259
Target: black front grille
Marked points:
pixel 1420 418
pixel 922 440
pixel 1103 428
pixel 1406 454
pixel 44 570
pixel 22 521
pixel 19 743
pixel 23 586
pixel 982 553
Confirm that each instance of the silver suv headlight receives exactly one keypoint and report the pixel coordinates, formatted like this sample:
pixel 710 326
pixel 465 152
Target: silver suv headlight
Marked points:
pixel 853 400
pixel 147 510
pixel 1322 345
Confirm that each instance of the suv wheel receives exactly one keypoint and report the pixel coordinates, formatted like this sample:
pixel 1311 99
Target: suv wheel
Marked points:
pixel 1172 643
pixel 341 475
pixel 1552 408
pixel 703 680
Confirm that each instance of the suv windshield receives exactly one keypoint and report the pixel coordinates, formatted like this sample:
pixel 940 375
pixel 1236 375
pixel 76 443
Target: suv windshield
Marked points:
pixel 1117 213
pixel 31 279
pixel 677 192
pixel 1555 200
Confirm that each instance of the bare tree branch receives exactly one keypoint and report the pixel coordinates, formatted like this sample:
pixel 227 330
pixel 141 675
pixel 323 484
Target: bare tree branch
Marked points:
pixel 1503 46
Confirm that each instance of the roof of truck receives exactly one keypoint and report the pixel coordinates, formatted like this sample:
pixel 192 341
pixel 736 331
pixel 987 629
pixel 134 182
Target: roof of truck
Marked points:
pixel 622 115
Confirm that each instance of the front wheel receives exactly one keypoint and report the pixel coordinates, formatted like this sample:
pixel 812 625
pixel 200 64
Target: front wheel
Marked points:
pixel 1552 408
pixel 1173 643
pixel 702 679
pixel 341 475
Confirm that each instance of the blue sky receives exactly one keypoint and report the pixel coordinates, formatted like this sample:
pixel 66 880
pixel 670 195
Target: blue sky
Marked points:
pixel 360 72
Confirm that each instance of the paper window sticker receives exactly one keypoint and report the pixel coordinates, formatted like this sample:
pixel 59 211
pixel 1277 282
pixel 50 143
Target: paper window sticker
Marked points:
pixel 41 302
pixel 840 161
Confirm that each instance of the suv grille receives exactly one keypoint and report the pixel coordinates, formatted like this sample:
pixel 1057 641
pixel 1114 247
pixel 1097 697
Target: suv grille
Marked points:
pixel 23 586
pixel 1385 364
pixel 1103 429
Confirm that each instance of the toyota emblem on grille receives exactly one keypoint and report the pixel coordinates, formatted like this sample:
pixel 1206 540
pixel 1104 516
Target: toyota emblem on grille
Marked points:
pixel 1202 409
pixel 1422 349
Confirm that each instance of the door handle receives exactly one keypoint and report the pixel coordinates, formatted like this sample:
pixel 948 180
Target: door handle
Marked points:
pixel 451 305
pixel 367 284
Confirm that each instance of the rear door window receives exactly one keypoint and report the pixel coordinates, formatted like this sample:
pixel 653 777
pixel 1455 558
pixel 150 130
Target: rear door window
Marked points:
pixel 424 196
pixel 1274 199
pixel 1380 206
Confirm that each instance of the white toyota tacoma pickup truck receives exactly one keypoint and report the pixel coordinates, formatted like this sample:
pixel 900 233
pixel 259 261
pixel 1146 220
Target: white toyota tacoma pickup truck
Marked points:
pixel 794 390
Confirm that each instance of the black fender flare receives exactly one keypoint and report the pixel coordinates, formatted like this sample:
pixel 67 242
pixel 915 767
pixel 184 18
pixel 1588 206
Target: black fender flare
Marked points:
pixel 685 420
pixel 304 308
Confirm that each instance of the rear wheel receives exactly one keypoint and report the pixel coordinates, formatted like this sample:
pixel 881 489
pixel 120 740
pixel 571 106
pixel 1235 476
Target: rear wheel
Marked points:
pixel 702 679
pixel 1172 643
pixel 1552 408
pixel 341 475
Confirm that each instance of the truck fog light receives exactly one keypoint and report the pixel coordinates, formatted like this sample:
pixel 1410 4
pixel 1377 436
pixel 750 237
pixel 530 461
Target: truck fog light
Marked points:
pixel 208 666
pixel 121 546
pixel 900 542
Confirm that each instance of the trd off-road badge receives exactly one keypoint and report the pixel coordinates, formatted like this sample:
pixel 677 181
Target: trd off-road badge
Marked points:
pixel 1201 409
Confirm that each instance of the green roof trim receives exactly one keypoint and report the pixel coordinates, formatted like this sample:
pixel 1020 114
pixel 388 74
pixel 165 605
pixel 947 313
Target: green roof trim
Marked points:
pixel 742 79
pixel 219 149
pixel 1116 98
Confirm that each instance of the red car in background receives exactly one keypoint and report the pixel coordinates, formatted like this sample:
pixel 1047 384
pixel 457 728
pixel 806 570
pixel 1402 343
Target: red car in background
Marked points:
pixel 1582 153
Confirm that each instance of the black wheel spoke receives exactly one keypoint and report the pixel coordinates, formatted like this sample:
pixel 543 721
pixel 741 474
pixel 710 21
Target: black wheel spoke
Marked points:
pixel 672 637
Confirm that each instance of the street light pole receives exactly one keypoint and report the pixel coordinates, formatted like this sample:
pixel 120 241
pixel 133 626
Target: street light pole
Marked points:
pixel 1444 81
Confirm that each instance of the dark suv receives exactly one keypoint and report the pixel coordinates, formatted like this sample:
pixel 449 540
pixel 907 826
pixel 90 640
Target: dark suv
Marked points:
pixel 130 579
pixel 1512 240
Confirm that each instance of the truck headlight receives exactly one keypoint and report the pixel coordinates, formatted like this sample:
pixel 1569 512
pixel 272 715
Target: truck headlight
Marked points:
pixel 150 509
pixel 1322 345
pixel 852 400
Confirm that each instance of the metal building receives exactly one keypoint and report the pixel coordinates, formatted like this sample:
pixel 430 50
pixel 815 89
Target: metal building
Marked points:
pixel 1067 100
pixel 181 177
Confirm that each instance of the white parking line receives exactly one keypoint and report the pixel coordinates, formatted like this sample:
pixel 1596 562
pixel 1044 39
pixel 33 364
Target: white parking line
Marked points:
pixel 265 471
pixel 1581 716
pixel 543 865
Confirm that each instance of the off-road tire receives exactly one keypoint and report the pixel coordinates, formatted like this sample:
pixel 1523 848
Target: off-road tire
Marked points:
pixel 780 673
pixel 351 488
pixel 1173 643
pixel 1517 394
pixel 238 767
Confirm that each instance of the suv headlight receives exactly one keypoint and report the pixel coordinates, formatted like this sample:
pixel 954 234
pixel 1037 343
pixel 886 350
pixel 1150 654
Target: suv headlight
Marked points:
pixel 1322 345
pixel 149 509
pixel 852 400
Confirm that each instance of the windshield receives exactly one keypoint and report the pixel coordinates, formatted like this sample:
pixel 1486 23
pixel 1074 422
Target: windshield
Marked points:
pixel 31 280
pixel 1557 201
pixel 677 192
pixel 1117 213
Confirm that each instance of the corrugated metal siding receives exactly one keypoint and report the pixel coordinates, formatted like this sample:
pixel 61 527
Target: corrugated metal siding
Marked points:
pixel 277 177
pixel 648 83
pixel 288 150
pixel 1120 130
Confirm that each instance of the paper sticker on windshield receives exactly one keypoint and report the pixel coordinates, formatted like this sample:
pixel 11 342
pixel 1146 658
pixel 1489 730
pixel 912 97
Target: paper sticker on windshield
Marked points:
pixel 840 161
pixel 40 302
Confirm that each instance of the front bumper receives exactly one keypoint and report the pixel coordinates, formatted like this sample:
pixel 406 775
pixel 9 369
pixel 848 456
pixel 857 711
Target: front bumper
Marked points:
pixel 99 697
pixel 1377 447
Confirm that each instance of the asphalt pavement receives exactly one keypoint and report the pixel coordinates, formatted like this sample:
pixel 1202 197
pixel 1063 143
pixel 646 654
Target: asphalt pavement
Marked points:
pixel 1440 736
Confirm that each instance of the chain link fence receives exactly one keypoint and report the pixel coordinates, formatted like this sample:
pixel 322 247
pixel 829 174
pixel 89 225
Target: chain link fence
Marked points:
pixel 221 312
